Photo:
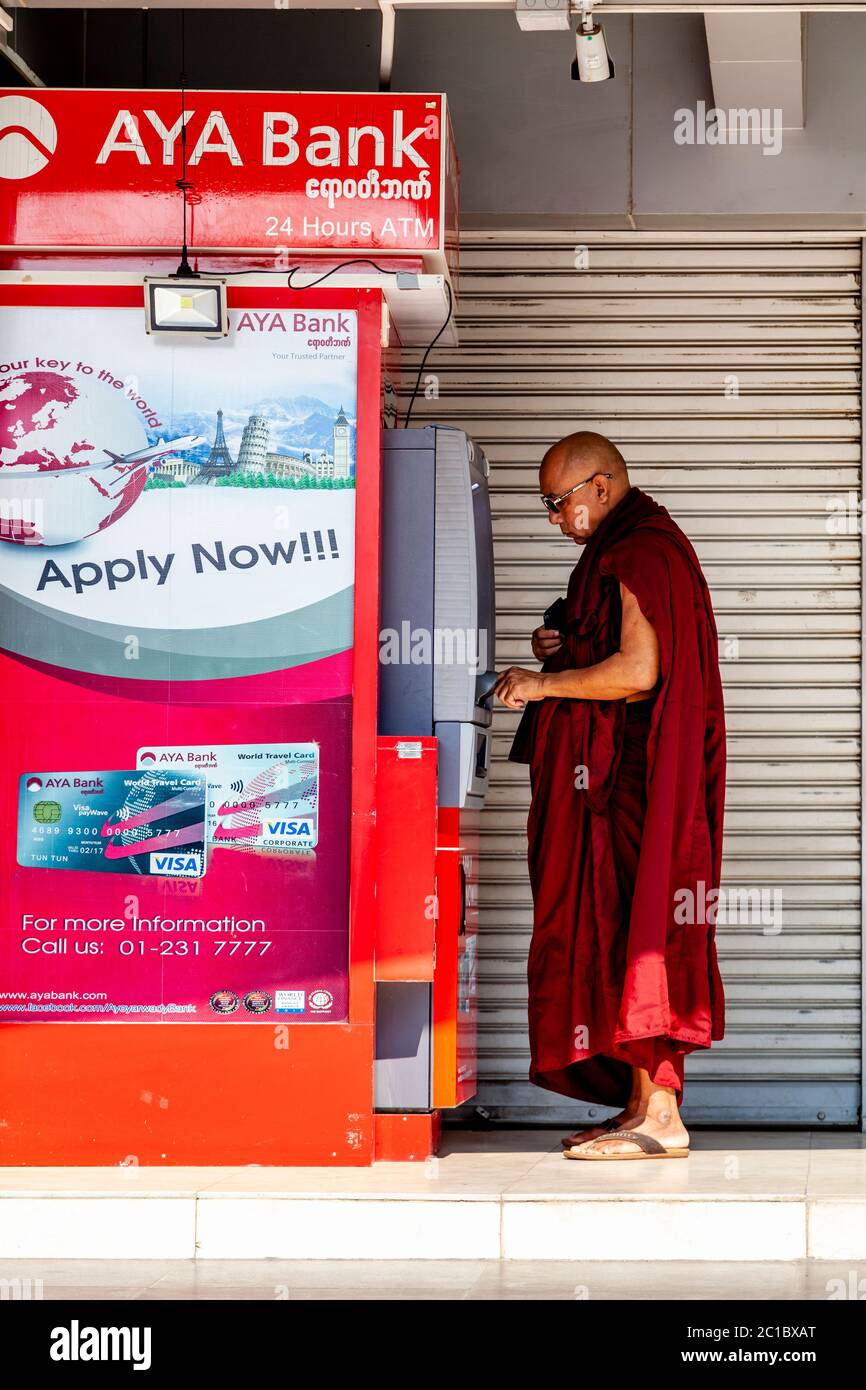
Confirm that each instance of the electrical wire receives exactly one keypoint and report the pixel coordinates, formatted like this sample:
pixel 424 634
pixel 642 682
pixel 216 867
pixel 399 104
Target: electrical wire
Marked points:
pixel 429 348
pixel 335 270
pixel 183 182
pixel 295 269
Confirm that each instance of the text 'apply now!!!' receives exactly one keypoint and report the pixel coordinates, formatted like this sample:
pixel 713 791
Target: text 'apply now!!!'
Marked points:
pixel 122 569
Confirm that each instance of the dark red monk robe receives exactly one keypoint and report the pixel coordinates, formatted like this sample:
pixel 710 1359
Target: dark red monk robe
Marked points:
pixel 623 856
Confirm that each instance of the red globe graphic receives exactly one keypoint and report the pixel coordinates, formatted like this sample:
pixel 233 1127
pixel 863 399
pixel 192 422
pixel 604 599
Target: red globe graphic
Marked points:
pixel 63 442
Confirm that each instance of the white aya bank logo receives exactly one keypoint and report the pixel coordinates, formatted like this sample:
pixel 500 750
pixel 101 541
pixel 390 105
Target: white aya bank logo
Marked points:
pixel 28 137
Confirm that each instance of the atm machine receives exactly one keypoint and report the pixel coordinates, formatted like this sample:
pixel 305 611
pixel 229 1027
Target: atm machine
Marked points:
pixel 436 674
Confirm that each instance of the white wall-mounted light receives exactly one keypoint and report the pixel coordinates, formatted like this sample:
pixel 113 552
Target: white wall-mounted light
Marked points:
pixel 185 307
pixel 592 62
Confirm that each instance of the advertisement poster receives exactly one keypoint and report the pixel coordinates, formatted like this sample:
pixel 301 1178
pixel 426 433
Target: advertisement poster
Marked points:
pixel 176 611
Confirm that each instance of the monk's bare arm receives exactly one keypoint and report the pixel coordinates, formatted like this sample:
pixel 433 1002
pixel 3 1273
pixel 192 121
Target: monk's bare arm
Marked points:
pixel 633 670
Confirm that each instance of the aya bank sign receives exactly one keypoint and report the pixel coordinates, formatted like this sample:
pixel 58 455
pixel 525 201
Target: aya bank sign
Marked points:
pixel 270 171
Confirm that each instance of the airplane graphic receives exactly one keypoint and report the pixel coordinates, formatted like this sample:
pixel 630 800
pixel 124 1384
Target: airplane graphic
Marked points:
pixel 153 451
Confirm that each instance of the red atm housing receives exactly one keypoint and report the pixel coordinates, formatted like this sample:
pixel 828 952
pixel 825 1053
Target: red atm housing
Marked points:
pixel 222 1092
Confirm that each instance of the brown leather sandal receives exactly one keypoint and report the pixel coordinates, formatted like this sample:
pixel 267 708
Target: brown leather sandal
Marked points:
pixel 647 1148
pixel 572 1140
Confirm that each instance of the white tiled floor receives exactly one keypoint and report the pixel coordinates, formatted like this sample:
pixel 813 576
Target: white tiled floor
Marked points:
pixel 739 1197
pixel 305 1280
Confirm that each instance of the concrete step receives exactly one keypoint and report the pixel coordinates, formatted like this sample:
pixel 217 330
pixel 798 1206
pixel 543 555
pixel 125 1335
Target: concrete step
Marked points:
pixel 757 1196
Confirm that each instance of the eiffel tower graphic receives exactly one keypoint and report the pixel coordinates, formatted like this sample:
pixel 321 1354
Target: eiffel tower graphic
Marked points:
pixel 220 461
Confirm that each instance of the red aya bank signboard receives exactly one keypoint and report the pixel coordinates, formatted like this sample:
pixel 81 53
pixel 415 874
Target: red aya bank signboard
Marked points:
pixel 264 170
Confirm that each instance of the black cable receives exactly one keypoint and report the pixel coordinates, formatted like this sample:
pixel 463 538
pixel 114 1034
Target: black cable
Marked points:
pixel 266 270
pixel 430 346
pixel 335 270
pixel 365 260
pixel 183 183
pixel 356 260
pixel 224 274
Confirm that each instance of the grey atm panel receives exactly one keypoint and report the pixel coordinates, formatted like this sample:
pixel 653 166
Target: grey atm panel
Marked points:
pixel 437 654
pixel 437 610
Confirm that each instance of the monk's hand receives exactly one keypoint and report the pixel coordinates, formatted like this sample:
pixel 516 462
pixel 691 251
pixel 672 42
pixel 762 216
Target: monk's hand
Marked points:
pixel 516 687
pixel 545 641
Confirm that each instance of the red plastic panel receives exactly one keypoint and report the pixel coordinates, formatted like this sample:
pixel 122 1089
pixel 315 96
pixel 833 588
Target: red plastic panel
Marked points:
pixel 406 858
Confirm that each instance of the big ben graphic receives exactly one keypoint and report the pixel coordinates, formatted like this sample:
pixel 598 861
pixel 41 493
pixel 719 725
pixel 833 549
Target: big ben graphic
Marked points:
pixel 342 450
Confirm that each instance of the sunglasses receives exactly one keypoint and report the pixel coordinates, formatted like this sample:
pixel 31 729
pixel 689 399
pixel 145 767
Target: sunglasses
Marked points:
pixel 552 503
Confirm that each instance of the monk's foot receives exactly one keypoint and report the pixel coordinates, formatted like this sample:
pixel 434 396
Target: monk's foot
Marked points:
pixel 585 1136
pixel 663 1124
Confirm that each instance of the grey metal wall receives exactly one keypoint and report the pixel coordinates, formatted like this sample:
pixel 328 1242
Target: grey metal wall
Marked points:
pixel 649 345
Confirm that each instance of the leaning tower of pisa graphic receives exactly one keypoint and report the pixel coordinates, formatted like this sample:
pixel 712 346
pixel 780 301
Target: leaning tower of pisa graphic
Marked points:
pixel 254 445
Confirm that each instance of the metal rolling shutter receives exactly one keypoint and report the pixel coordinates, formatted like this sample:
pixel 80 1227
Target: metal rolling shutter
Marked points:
pixel 639 345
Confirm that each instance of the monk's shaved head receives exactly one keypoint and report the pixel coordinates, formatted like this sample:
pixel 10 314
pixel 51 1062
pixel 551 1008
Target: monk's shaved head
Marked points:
pixel 588 458
pixel 579 455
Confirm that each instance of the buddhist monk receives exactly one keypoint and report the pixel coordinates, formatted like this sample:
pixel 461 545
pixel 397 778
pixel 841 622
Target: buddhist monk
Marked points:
pixel 624 732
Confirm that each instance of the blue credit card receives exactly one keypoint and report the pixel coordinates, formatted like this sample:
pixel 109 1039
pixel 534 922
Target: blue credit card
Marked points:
pixel 144 822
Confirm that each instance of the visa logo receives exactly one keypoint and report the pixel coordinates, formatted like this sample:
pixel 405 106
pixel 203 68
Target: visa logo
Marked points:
pixel 289 827
pixel 176 865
